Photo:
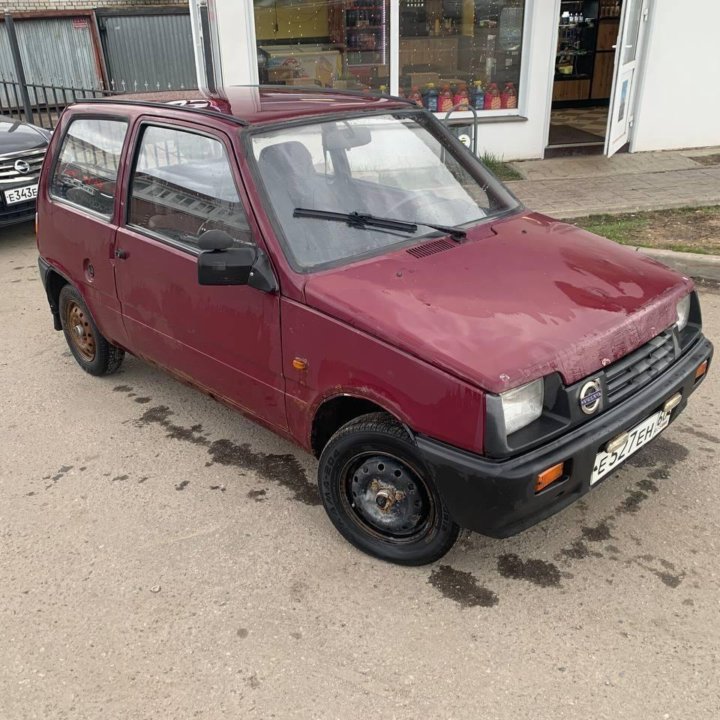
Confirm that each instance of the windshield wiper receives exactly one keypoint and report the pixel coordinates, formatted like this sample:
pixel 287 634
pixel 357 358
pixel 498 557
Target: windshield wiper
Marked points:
pixel 363 220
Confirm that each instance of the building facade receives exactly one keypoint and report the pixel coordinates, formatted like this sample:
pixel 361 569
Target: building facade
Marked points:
pixel 539 76
pixel 601 75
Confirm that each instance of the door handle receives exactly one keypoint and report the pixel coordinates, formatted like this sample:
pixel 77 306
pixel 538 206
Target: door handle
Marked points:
pixel 120 254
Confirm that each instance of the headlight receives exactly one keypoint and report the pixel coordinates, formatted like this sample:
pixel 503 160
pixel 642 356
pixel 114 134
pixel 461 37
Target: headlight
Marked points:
pixel 522 405
pixel 683 313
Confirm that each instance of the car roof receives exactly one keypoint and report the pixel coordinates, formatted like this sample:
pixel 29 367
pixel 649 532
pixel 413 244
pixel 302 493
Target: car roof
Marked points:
pixel 254 104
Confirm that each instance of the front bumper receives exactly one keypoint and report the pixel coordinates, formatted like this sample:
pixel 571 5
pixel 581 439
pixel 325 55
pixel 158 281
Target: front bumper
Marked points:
pixel 498 498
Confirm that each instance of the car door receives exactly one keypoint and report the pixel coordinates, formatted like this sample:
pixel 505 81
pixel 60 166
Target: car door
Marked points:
pixel 78 222
pixel 184 180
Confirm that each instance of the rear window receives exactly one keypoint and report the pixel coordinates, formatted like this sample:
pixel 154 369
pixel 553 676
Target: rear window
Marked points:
pixel 87 168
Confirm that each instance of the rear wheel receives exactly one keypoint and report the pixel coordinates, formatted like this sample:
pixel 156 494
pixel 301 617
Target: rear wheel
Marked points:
pixel 93 352
pixel 379 494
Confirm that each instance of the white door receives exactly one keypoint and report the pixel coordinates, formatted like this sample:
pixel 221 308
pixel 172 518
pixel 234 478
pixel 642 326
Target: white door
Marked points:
pixel 627 59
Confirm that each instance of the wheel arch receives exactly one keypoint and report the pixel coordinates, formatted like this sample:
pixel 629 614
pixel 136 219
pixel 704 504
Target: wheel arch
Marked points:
pixel 54 283
pixel 335 411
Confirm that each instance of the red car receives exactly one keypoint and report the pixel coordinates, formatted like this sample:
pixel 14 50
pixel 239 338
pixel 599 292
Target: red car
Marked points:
pixel 342 269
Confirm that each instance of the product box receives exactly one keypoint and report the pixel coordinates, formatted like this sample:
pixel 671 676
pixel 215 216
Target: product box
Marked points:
pixel 302 81
pixel 279 75
pixel 296 61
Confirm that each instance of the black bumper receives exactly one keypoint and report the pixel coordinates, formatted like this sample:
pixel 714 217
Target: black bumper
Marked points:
pixel 498 498
pixel 14 214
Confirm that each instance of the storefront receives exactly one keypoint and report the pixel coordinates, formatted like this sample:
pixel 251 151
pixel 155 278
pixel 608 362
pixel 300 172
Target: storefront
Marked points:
pixel 449 52
pixel 537 73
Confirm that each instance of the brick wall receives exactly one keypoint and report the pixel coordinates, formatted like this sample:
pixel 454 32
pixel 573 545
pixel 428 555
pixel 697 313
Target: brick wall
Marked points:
pixel 49 5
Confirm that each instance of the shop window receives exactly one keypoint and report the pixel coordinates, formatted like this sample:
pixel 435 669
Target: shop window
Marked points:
pixel 340 44
pixel 457 53
pixel 452 53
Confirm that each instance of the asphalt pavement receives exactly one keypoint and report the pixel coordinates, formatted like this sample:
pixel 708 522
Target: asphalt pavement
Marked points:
pixel 163 557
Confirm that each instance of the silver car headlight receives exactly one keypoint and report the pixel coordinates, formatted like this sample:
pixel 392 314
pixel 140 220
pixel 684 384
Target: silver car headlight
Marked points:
pixel 522 405
pixel 683 313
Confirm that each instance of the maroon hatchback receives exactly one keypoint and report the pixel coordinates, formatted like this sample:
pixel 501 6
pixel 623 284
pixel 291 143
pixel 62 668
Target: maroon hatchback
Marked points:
pixel 343 270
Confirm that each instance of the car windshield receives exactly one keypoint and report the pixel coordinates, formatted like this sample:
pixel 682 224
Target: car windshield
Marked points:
pixel 397 167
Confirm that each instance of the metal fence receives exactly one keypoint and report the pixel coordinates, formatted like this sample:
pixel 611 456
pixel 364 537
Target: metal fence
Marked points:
pixel 46 102
pixel 40 98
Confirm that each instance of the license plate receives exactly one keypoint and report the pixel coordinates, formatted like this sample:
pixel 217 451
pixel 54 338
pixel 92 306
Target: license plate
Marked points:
pixel 637 437
pixel 21 194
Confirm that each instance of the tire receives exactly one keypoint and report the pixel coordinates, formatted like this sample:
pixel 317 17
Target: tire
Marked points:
pixel 379 494
pixel 94 354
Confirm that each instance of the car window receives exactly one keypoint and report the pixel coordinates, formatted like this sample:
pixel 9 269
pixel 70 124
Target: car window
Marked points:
pixel 408 158
pixel 88 162
pixel 399 166
pixel 182 186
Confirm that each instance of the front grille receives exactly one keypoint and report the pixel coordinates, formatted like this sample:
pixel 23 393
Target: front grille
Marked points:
pixel 8 173
pixel 630 373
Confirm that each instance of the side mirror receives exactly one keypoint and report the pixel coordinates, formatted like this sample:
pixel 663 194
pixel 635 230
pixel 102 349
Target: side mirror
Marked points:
pixel 222 263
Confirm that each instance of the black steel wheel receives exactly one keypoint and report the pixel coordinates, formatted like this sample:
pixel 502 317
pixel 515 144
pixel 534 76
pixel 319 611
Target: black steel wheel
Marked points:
pixel 93 352
pixel 379 494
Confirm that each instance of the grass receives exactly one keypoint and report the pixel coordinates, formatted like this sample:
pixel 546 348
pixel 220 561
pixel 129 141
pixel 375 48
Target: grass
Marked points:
pixel 500 169
pixel 695 230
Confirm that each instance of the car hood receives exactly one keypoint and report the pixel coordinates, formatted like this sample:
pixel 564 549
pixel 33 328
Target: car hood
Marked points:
pixel 517 300
pixel 16 136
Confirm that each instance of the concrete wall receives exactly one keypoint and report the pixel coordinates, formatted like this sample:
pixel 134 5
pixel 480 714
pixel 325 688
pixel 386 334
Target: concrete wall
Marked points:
pixel 678 100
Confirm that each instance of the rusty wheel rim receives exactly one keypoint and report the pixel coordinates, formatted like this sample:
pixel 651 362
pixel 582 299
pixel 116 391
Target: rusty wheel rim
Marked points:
pixel 387 497
pixel 80 331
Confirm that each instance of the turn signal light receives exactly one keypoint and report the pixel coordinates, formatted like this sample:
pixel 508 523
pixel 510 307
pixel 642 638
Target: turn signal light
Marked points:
pixel 549 476
pixel 300 363
pixel 701 370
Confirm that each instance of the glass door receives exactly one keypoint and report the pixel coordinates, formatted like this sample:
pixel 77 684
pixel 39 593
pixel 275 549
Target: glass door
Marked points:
pixel 627 58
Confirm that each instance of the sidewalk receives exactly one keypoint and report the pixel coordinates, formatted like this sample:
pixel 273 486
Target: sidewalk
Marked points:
pixel 587 185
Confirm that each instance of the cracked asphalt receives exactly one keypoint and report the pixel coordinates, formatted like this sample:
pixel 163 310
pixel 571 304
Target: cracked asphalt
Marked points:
pixel 163 557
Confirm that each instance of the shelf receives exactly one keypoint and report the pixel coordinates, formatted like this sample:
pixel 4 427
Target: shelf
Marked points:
pixel 583 76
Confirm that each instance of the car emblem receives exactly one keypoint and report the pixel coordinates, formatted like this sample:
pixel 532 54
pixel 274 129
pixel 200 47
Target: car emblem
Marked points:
pixel 590 396
pixel 22 167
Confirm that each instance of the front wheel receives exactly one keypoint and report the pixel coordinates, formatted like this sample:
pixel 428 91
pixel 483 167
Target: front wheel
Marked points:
pixel 380 496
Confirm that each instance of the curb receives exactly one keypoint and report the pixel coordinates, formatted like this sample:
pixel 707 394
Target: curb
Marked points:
pixel 574 214
pixel 705 269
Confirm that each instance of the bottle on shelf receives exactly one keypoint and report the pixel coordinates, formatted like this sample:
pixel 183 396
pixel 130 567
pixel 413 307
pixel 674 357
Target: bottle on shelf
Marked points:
pixel 492 97
pixel 508 99
pixel 461 100
pixel 416 96
pixel 430 97
pixel 477 95
pixel 445 101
